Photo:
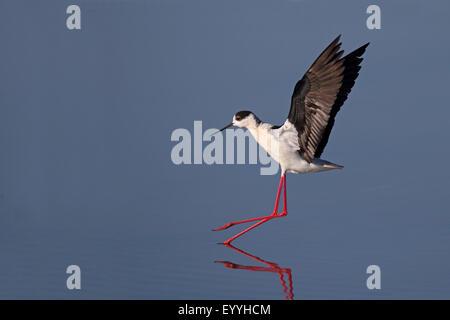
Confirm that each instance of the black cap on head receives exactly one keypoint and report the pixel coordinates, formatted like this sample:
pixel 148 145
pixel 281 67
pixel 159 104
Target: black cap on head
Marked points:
pixel 241 115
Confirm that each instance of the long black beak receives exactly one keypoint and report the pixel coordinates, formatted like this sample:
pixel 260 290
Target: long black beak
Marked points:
pixel 227 126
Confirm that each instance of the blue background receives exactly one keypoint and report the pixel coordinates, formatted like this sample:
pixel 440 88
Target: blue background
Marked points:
pixel 86 176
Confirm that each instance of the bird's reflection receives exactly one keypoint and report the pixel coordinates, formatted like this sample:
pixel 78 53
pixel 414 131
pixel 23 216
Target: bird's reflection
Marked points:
pixel 271 267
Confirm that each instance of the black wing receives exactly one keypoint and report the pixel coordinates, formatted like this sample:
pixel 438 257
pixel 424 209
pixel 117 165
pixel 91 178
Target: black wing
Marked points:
pixel 318 96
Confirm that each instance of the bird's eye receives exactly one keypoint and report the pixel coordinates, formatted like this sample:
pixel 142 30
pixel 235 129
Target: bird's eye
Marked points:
pixel 238 118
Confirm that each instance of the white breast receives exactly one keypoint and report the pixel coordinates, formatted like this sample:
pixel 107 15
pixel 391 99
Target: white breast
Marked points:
pixel 268 139
pixel 279 143
pixel 282 145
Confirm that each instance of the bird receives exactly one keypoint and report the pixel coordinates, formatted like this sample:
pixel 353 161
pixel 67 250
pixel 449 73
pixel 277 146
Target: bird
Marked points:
pixel 298 144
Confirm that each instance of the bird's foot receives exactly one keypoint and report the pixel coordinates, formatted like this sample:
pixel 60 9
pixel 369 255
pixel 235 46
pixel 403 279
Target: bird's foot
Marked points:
pixel 271 216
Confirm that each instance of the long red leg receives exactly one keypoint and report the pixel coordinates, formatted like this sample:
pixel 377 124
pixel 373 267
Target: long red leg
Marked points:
pixel 284 197
pixel 246 230
pixel 263 219
pixel 282 182
pixel 274 213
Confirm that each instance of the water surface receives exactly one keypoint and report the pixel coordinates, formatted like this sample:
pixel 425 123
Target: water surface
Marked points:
pixel 86 176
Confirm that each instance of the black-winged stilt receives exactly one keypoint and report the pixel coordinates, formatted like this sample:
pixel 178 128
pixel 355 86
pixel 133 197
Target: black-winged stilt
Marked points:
pixel 298 144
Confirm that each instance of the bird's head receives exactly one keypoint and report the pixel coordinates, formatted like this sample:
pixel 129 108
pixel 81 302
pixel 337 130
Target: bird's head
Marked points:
pixel 243 119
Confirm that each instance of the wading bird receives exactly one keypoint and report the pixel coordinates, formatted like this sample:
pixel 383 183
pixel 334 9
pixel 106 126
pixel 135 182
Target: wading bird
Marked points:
pixel 298 144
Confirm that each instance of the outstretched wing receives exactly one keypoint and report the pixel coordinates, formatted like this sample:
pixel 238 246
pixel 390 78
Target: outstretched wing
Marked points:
pixel 318 96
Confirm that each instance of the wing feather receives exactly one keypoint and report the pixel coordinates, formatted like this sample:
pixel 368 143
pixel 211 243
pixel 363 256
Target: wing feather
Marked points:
pixel 319 94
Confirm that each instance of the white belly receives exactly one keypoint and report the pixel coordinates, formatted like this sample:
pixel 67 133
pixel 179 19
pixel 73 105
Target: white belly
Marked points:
pixel 282 145
pixel 293 162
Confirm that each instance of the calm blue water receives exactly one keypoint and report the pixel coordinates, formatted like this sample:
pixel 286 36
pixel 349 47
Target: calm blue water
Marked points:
pixel 86 176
